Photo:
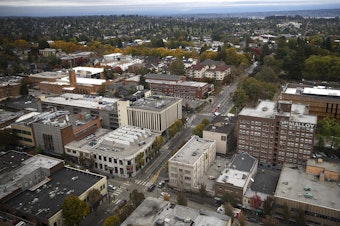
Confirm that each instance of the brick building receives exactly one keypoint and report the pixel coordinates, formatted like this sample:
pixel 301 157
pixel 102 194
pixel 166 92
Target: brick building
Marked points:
pixel 277 132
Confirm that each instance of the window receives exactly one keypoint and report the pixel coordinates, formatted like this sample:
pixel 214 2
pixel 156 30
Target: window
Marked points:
pixel 48 142
pixel 223 138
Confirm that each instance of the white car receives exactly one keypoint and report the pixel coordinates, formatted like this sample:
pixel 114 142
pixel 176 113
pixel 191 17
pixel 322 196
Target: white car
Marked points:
pixel 165 193
pixel 112 187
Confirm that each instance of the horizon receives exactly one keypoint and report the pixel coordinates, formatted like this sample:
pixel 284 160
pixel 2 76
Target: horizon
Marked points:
pixel 45 8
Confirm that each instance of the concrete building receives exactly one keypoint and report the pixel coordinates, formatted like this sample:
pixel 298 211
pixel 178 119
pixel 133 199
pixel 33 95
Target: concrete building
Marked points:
pixel 301 191
pixel 102 107
pixel 209 69
pixel 237 177
pixel 154 212
pixel 23 131
pixel 322 101
pixel 33 188
pixel 156 113
pixel 190 163
pixel 122 152
pixel 277 132
pixel 53 130
pixel 9 90
pixel 222 129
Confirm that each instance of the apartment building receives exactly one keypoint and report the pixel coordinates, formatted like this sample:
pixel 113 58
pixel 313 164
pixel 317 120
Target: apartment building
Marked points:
pixel 35 187
pixel 305 191
pixel 277 132
pixel 322 101
pixel 156 113
pixel 23 131
pixel 190 163
pixel 122 152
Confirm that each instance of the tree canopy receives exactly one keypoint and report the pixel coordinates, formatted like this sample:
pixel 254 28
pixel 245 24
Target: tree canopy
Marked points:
pixel 74 210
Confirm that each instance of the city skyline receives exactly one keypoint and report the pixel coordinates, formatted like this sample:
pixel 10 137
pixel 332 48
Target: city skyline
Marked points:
pixel 44 8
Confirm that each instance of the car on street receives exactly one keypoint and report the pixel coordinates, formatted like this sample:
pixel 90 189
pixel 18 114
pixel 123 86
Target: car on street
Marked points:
pixel 112 187
pixel 151 187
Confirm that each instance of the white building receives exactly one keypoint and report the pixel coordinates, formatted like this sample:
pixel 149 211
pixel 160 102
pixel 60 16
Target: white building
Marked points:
pixel 122 152
pixel 190 163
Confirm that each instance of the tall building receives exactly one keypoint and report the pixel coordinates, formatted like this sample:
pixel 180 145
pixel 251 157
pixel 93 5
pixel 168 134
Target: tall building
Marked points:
pixel 190 163
pixel 277 132
pixel 156 113
pixel 322 101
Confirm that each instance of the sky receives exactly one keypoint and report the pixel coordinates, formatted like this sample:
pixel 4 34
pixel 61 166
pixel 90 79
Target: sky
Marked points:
pixel 153 7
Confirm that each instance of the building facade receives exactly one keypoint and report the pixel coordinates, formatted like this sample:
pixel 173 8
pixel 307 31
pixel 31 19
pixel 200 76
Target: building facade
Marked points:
pixel 156 113
pixel 322 101
pixel 122 152
pixel 222 129
pixel 277 132
pixel 190 163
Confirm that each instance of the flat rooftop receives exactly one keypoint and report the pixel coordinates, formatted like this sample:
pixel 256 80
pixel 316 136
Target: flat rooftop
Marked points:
pixel 221 124
pixel 316 90
pixel 268 109
pixel 122 142
pixel 178 83
pixel 7 115
pixel 153 211
pixel 47 200
pixel 293 181
pixel 16 165
pixel 83 101
pixel 265 181
pixel 84 81
pixel 154 103
pixel 192 150
pixel 50 75
pixel 238 170
pixel 329 166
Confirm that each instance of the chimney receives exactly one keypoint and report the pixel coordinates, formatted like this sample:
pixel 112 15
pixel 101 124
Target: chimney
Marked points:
pixel 72 78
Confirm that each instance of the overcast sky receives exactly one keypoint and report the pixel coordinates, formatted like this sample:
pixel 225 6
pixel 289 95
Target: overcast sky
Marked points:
pixel 102 7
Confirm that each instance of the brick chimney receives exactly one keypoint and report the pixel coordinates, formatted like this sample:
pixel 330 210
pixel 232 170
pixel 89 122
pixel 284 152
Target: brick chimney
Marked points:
pixel 72 78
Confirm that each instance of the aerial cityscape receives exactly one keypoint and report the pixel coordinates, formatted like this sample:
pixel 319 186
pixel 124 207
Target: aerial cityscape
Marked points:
pixel 169 113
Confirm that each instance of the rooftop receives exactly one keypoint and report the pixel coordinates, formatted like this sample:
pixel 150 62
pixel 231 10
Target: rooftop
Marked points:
pixel 178 83
pixel 16 165
pixel 50 75
pixel 265 181
pixel 238 171
pixel 221 124
pixel 154 103
pixel 295 184
pixel 316 90
pixel 78 100
pixel 84 81
pixel 122 142
pixel 7 115
pixel 46 200
pixel 268 109
pixel 154 212
pixel 192 150
pixel 163 77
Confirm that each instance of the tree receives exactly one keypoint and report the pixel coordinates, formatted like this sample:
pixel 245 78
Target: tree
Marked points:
pixel 255 201
pixel 177 67
pixel 181 199
pixel 267 74
pixel 74 210
pixel 94 198
pixel 270 221
pixel 136 198
pixel 102 89
pixel 286 212
pixel 300 218
pixel 229 210
pixel 240 98
pixel 229 198
pixel 242 219
pixel 24 87
pixel 112 221
pixel 157 144
pixel 330 130
pixel 268 205
pixel 203 190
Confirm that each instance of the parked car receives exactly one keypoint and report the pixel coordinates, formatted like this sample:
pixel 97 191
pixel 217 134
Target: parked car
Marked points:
pixel 161 184
pixel 112 187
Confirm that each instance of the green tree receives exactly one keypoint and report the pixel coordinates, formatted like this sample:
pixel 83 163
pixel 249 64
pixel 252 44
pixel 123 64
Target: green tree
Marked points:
pixel 181 199
pixel 229 198
pixel 157 144
pixel 229 210
pixel 240 98
pixel 330 130
pixel 267 74
pixel 136 198
pixel 203 190
pixel 300 218
pixel 112 221
pixel 268 205
pixel 94 198
pixel 177 67
pixel 74 210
